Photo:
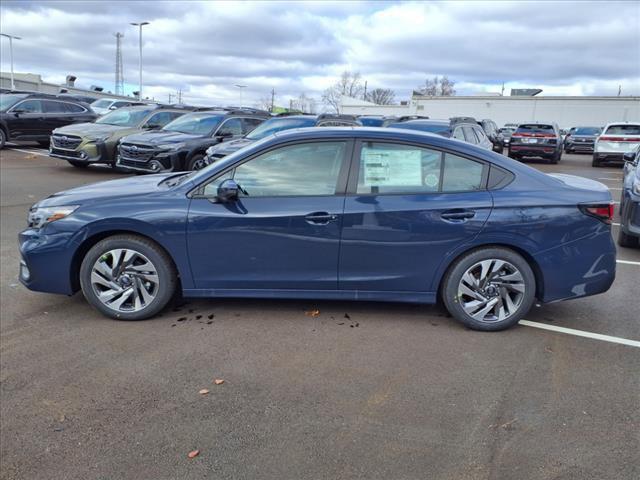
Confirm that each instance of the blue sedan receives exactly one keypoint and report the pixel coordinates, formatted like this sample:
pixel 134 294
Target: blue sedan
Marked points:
pixel 333 213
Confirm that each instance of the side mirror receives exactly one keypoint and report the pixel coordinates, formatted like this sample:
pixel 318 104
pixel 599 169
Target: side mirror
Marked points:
pixel 113 107
pixel 152 126
pixel 228 190
pixel 226 134
pixel 18 112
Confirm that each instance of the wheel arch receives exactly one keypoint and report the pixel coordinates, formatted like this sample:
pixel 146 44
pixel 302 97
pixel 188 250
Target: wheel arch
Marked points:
pixel 90 241
pixel 537 271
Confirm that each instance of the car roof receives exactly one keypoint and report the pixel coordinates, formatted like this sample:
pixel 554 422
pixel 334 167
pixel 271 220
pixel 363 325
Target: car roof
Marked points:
pixel 621 123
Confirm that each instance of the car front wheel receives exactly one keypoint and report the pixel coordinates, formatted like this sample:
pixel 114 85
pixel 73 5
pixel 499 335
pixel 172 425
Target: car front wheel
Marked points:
pixel 3 138
pixel 489 289
pixel 128 277
pixel 197 162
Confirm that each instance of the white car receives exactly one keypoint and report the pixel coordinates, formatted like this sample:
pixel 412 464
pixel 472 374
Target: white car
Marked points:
pixel 615 140
pixel 106 105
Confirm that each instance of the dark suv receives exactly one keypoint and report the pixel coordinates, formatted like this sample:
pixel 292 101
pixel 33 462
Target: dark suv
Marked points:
pixel 461 128
pixel 493 134
pixel 536 139
pixel 33 116
pixel 581 139
pixel 278 124
pixel 181 145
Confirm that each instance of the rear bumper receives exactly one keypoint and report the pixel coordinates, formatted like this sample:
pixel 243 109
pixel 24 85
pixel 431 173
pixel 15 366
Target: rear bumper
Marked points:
pixel 609 157
pixel 580 268
pixel 533 150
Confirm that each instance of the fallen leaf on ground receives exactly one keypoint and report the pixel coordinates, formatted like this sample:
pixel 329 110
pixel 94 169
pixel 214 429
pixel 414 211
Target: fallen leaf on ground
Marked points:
pixel 204 391
pixel 312 313
pixel 194 453
pixel 218 381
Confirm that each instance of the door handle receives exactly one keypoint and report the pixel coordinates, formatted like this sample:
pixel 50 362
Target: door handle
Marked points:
pixel 458 215
pixel 320 218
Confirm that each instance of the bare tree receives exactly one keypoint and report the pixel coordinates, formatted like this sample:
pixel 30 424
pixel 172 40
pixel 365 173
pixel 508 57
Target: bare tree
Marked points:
pixel 264 103
pixel 303 104
pixel 381 96
pixel 349 84
pixel 437 87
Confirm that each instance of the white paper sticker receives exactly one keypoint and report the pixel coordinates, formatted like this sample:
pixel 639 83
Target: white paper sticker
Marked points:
pixel 392 167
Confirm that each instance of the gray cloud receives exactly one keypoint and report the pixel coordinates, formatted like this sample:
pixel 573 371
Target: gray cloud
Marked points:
pixel 205 48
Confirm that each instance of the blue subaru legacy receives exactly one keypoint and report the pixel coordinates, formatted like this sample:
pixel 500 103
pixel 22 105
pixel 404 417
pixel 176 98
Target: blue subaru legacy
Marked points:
pixel 332 213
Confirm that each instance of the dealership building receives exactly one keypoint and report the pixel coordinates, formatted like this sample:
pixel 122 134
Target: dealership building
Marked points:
pixel 565 111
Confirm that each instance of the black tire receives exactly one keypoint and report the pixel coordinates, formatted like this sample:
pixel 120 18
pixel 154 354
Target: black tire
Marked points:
pixel 196 162
pixel 556 157
pixel 43 143
pixel 596 162
pixel 3 138
pixel 513 155
pixel 452 280
pixel 626 240
pixel 167 277
pixel 77 164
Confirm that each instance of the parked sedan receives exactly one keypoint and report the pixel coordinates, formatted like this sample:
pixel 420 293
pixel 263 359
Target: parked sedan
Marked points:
pixel 330 213
pixel 629 234
pixel 581 139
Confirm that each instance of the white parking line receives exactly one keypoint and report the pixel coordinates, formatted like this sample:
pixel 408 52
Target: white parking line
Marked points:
pixel 35 152
pixel 581 333
pixel 616 179
pixel 614 188
pixel 615 224
pixel 628 262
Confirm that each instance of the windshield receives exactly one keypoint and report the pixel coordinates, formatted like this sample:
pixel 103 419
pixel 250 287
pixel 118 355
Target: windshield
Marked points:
pixel 535 128
pixel 7 101
pixel 278 124
pixel 507 131
pixel 439 128
pixel 623 130
pixel 102 103
pixel 124 117
pixel 195 124
pixel 586 131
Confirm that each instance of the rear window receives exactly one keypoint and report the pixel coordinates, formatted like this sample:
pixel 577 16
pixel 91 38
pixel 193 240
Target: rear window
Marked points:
pixel 535 128
pixel 623 130
pixel 586 131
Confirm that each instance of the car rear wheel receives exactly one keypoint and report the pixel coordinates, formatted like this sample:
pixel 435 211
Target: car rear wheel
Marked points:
pixel 77 164
pixel 556 157
pixel 625 240
pixel 197 162
pixel 514 156
pixel 3 138
pixel 127 277
pixel 595 162
pixel 489 289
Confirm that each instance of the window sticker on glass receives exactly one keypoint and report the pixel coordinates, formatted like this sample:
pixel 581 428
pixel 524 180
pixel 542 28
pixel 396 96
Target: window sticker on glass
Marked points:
pixel 392 167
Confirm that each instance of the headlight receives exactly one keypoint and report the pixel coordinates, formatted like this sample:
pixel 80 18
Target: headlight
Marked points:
pixel 99 139
pixel 171 146
pixel 40 216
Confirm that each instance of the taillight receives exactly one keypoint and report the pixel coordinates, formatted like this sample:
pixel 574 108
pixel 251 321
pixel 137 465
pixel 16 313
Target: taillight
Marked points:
pixel 619 139
pixel 603 212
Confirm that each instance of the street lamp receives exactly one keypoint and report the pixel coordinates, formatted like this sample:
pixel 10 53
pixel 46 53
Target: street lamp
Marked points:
pixel 241 87
pixel 11 37
pixel 140 25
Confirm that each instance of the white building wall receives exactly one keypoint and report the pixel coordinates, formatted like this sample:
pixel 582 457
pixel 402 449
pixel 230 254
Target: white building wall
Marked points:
pixel 565 111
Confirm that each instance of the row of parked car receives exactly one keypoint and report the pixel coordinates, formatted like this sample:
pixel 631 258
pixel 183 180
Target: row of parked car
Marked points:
pixel 155 138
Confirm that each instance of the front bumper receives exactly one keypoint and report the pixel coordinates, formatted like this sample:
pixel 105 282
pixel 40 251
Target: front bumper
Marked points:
pixel 163 163
pixel 580 147
pixel 89 152
pixel 46 260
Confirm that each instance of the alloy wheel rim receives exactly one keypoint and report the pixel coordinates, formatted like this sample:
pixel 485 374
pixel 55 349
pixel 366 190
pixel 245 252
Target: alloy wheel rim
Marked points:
pixel 199 164
pixel 124 280
pixel 491 290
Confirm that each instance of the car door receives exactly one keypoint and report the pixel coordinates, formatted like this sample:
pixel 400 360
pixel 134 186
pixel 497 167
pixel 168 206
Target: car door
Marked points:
pixel 26 118
pixel 407 208
pixel 284 232
pixel 56 115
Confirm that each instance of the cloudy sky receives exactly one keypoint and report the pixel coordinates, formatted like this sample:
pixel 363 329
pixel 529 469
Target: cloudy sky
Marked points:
pixel 205 48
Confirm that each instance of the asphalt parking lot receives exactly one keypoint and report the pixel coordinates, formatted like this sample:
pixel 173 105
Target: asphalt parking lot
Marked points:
pixel 362 390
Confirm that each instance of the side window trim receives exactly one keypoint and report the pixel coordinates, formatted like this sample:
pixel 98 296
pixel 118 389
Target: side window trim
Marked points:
pixel 354 172
pixel 343 176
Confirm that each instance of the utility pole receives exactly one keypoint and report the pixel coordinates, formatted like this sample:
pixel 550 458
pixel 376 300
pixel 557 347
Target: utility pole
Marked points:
pixel 365 91
pixel 619 90
pixel 119 74
pixel 11 38
pixel 140 25
pixel 170 99
pixel 180 96
pixel 502 92
pixel 273 97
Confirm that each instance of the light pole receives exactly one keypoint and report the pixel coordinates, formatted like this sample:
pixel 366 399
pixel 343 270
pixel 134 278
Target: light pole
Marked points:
pixel 11 37
pixel 140 25
pixel 241 87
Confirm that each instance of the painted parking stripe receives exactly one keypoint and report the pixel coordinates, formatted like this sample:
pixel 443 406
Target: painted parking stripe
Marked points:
pixel 35 152
pixel 628 262
pixel 581 333
pixel 616 179
pixel 614 188
pixel 615 224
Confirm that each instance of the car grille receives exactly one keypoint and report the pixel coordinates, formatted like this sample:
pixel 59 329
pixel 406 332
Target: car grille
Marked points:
pixel 136 153
pixel 65 153
pixel 67 142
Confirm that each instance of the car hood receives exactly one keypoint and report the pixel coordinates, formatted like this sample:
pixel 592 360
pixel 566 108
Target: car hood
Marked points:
pixel 132 186
pixel 226 148
pixel 89 129
pixel 161 137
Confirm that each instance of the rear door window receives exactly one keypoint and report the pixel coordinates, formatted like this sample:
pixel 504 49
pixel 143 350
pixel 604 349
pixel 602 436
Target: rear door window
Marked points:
pixel 469 135
pixel 53 107
pixel 73 108
pixel 457 133
pixel 461 174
